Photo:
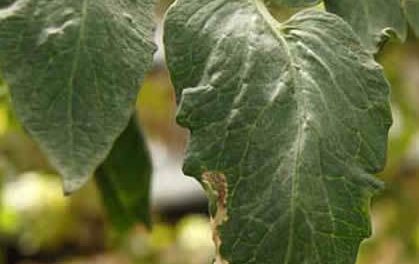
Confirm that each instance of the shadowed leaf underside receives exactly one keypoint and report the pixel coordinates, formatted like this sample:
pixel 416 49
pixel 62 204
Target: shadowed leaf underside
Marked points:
pixel 123 180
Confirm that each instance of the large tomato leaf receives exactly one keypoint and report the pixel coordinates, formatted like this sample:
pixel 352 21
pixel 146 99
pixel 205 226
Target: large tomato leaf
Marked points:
pixel 124 180
pixel 374 20
pixel 74 68
pixel 288 123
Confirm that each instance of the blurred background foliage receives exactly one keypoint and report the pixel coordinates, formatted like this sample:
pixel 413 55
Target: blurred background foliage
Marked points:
pixel 39 225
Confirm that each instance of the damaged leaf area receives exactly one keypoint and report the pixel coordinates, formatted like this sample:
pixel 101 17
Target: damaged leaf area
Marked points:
pixel 217 189
pixel 74 68
pixel 288 123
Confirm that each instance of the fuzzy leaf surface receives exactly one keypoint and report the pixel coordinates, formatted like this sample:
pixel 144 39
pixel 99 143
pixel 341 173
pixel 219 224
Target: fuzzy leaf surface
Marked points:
pixel 74 68
pixel 288 123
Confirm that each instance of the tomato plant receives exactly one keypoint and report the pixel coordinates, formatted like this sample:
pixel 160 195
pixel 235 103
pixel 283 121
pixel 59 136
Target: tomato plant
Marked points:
pixel 289 120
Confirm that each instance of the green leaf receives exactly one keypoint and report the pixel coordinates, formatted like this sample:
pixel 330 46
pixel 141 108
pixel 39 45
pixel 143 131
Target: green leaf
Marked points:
pixel 295 3
pixel 73 68
pixel 411 8
pixel 288 122
pixel 373 20
pixel 3 88
pixel 124 180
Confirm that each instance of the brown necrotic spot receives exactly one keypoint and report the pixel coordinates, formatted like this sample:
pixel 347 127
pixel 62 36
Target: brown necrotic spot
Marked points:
pixel 217 189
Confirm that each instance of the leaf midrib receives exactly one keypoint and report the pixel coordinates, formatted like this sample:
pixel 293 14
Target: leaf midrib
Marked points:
pixel 275 27
pixel 74 68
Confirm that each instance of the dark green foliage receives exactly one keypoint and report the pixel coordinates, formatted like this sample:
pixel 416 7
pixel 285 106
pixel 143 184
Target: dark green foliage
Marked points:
pixel 124 180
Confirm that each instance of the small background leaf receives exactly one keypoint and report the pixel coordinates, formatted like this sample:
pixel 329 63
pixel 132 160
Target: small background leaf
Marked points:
pixel 124 180
pixel 372 20
pixel 411 8
pixel 295 3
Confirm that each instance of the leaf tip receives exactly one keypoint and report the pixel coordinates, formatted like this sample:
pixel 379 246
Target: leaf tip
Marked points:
pixel 72 185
